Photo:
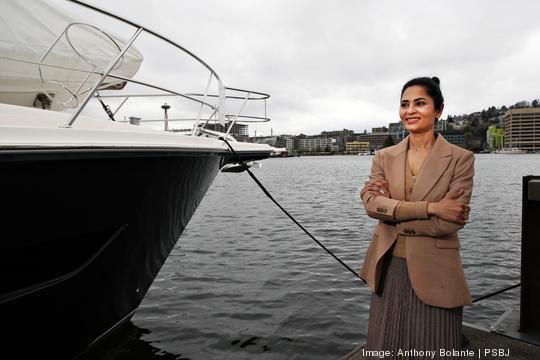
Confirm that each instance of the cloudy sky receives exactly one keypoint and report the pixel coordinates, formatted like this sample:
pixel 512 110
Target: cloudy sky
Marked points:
pixel 330 65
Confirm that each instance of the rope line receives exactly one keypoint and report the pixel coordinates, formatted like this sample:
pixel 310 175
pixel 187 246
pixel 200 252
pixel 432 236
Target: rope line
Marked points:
pixel 317 241
pixel 287 213
pixel 106 107
pixel 496 292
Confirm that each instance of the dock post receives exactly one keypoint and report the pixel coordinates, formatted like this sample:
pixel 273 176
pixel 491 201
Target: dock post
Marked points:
pixel 530 255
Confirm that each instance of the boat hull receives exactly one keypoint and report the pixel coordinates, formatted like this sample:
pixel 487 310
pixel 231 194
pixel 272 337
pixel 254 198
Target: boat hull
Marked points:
pixel 84 234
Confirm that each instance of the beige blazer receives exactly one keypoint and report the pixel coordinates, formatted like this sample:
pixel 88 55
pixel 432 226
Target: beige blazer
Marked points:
pixel 432 245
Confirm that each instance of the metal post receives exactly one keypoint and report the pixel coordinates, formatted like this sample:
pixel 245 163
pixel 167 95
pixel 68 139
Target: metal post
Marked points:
pixel 530 255
pixel 121 104
pixel 238 113
pixel 103 77
pixel 166 107
pixel 196 127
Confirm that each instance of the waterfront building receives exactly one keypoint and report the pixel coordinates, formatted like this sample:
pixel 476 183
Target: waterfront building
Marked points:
pixel 291 144
pixel 278 141
pixel 238 131
pixel 355 147
pixel 398 131
pixel 269 140
pixel 459 122
pixel 341 137
pixel 522 129
pixel 494 138
pixel 456 139
pixel 281 140
pixel 336 133
pixel 382 129
pixel 376 140
pixel 317 144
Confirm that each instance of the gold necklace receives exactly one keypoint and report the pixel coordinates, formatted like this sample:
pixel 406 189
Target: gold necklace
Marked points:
pixel 414 174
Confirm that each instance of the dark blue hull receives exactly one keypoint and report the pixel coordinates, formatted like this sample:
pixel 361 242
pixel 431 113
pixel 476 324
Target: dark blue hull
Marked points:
pixel 84 234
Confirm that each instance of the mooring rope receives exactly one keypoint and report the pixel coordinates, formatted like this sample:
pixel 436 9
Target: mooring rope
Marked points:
pixel 106 107
pixel 496 292
pixel 286 212
pixel 267 193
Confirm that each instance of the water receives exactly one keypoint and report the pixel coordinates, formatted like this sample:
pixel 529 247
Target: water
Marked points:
pixel 244 282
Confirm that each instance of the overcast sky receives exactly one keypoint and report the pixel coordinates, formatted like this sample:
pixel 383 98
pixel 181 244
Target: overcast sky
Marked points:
pixel 330 65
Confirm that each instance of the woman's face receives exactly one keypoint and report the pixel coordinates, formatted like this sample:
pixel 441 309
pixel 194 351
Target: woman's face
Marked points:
pixel 417 110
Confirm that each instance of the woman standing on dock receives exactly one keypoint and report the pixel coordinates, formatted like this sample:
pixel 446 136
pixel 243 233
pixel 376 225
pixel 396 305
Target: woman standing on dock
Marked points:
pixel 419 190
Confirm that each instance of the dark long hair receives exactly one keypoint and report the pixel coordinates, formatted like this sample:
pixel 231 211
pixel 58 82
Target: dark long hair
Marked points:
pixel 432 86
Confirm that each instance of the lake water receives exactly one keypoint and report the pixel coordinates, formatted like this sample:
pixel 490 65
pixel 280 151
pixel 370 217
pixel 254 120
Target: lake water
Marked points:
pixel 244 282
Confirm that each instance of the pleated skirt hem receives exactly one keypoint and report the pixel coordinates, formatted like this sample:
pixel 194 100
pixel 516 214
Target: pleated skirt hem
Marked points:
pixel 403 327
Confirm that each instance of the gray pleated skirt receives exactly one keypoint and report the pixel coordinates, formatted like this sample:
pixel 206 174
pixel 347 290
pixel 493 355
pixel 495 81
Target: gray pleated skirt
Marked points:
pixel 400 322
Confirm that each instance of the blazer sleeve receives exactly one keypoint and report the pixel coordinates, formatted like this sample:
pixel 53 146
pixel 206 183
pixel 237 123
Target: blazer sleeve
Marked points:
pixel 387 209
pixel 435 226
pixel 411 210
pixel 378 207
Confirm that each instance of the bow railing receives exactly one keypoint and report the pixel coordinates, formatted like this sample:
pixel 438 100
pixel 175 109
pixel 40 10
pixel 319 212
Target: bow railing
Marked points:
pixel 98 80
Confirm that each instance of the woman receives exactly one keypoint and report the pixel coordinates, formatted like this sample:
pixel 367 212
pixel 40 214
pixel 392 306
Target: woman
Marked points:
pixel 419 190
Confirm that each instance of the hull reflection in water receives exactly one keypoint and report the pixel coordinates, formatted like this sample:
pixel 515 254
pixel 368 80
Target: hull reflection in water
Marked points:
pixel 127 344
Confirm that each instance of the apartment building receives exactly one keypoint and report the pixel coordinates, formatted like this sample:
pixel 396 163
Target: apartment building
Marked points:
pixel 522 129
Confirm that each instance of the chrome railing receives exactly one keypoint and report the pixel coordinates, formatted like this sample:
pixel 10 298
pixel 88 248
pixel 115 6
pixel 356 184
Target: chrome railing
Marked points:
pixel 80 96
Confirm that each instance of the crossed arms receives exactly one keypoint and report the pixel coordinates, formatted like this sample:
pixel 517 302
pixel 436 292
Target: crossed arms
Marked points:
pixel 415 217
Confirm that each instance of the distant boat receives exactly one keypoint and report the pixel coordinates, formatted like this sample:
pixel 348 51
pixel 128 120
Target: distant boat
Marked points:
pixel 512 150
pixel 364 153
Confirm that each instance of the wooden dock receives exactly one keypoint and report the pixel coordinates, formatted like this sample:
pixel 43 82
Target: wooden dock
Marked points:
pixel 486 345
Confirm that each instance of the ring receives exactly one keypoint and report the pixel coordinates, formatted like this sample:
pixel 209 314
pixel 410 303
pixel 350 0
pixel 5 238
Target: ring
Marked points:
pixel 381 191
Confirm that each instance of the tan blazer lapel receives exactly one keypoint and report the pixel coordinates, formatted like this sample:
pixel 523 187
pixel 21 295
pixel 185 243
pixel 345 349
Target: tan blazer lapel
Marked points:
pixel 435 164
pixel 395 170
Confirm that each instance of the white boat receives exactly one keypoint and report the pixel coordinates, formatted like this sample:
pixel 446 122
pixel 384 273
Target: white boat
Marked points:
pixel 92 207
pixel 510 150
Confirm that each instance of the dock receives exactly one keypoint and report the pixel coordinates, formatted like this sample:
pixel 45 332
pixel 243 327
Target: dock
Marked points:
pixel 484 344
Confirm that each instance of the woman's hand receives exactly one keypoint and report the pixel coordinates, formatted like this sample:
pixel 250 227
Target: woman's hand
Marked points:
pixel 450 209
pixel 378 188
